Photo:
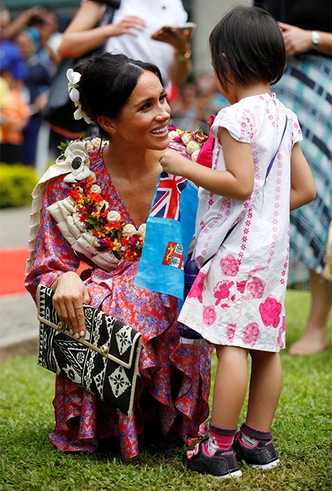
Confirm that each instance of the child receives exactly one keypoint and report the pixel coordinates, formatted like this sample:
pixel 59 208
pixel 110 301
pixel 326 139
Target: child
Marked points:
pixel 258 175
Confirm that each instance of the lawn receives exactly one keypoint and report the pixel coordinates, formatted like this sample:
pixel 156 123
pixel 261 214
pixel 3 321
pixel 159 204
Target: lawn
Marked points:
pixel 302 433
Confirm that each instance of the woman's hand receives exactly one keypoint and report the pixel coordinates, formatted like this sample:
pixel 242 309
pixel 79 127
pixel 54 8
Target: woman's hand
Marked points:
pixel 178 38
pixel 126 26
pixel 69 297
pixel 296 40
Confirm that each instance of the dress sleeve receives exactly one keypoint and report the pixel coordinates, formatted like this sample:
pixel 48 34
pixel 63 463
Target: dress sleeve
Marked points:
pixel 52 255
pixel 297 135
pixel 238 121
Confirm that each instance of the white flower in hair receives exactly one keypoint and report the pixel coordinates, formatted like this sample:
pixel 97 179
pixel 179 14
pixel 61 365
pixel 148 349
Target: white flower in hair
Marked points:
pixel 74 94
pixel 79 114
pixel 73 79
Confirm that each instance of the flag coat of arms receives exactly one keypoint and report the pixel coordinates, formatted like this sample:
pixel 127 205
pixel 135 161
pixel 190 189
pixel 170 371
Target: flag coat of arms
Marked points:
pixel 169 231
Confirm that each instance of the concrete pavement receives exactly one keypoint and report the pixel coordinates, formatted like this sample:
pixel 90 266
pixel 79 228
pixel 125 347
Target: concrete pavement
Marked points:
pixel 18 316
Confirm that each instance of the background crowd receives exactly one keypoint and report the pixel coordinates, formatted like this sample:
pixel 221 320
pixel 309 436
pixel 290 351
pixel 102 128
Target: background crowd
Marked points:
pixel 29 46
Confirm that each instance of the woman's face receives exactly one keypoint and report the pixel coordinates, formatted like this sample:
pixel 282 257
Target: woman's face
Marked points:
pixel 144 119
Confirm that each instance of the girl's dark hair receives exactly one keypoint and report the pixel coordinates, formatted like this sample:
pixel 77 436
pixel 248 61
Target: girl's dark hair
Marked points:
pixel 248 43
pixel 107 82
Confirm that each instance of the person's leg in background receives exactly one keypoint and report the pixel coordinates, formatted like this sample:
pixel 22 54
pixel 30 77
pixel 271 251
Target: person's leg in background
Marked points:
pixel 314 338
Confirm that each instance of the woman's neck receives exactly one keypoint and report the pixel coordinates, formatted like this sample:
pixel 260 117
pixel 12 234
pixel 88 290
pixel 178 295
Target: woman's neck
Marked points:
pixel 130 163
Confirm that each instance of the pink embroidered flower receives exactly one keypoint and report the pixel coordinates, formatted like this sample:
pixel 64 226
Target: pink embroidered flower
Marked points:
pixel 251 334
pixel 230 332
pixel 209 315
pixel 230 265
pixel 241 285
pixel 256 287
pixel 222 290
pixel 270 311
pixel 281 335
pixel 198 286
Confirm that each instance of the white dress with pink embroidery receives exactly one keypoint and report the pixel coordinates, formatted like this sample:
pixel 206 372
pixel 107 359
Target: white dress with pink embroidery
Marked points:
pixel 238 296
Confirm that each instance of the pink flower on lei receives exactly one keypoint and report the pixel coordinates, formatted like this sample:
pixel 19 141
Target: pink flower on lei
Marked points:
pixel 270 311
pixel 198 286
pixel 209 315
pixel 230 265
pixel 230 332
pixel 256 287
pixel 251 334
pixel 222 289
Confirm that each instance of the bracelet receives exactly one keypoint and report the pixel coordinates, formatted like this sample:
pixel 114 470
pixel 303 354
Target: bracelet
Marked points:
pixel 184 56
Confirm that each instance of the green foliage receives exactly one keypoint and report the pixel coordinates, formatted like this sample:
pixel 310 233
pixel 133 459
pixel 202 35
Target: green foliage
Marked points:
pixel 302 434
pixel 16 185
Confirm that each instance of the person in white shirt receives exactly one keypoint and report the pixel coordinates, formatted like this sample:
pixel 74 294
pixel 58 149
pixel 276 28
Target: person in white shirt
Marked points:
pixel 147 31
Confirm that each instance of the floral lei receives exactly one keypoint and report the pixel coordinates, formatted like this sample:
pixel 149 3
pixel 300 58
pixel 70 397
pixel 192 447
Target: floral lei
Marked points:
pixel 109 229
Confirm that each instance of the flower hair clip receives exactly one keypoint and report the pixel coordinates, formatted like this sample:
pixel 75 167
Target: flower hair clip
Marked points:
pixel 74 94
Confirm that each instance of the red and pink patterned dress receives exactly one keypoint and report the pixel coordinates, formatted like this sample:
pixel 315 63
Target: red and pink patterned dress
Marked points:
pixel 174 380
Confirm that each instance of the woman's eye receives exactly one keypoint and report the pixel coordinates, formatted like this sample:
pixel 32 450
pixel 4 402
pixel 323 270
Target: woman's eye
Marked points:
pixel 162 98
pixel 146 106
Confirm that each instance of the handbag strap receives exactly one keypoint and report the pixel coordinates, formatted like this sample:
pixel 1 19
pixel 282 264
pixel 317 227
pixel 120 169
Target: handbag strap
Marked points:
pixel 269 168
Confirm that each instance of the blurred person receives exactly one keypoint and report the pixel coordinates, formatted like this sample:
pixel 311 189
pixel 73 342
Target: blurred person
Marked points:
pixel 142 30
pixel 14 116
pixel 306 88
pixel 184 108
pixel 11 57
pixel 41 24
pixel 37 86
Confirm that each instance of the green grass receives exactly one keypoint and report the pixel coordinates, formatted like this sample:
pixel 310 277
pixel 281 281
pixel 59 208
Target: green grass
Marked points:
pixel 302 433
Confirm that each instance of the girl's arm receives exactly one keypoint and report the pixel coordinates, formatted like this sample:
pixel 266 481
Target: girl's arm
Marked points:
pixel 303 189
pixel 82 35
pixel 237 182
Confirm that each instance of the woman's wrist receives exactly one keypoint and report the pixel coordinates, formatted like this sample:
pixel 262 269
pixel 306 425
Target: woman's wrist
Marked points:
pixel 183 55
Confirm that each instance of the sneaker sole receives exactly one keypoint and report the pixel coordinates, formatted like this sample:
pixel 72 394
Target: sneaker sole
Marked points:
pixel 265 467
pixel 225 476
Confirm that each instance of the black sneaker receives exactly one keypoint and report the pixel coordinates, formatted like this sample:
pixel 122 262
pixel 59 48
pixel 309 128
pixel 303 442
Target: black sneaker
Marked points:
pixel 263 455
pixel 222 463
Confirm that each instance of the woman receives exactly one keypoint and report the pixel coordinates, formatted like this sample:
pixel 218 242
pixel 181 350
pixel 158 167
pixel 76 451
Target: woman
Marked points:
pixel 128 102
pixel 306 89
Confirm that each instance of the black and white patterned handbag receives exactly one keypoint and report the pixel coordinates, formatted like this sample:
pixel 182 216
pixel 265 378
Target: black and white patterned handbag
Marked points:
pixel 104 362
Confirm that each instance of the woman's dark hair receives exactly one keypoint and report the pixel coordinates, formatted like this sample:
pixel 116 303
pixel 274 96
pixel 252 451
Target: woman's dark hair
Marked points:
pixel 248 43
pixel 106 83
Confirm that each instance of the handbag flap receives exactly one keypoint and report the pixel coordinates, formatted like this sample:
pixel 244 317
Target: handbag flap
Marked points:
pixel 104 334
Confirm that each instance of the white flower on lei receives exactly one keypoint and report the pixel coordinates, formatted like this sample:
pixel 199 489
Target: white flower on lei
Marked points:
pixel 193 146
pixel 142 229
pixel 113 216
pixel 129 230
pixel 77 157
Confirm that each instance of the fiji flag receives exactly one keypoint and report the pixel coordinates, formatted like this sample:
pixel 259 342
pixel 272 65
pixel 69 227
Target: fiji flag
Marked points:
pixel 169 231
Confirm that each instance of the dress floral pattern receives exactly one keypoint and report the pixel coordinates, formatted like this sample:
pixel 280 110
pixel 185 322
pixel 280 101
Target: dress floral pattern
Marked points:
pixel 242 247
pixel 174 379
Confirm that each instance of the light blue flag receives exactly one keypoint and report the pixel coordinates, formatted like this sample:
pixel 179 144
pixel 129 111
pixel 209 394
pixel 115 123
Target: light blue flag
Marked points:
pixel 169 231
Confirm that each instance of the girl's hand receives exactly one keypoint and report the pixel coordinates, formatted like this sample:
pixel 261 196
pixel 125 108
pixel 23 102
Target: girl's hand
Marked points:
pixel 174 163
pixel 296 40
pixel 69 297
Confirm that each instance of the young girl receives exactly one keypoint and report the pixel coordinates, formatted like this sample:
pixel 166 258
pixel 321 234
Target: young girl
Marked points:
pixel 258 175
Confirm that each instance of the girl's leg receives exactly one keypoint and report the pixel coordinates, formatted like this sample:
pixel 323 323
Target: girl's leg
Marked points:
pixel 230 386
pixel 265 389
pixel 314 338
